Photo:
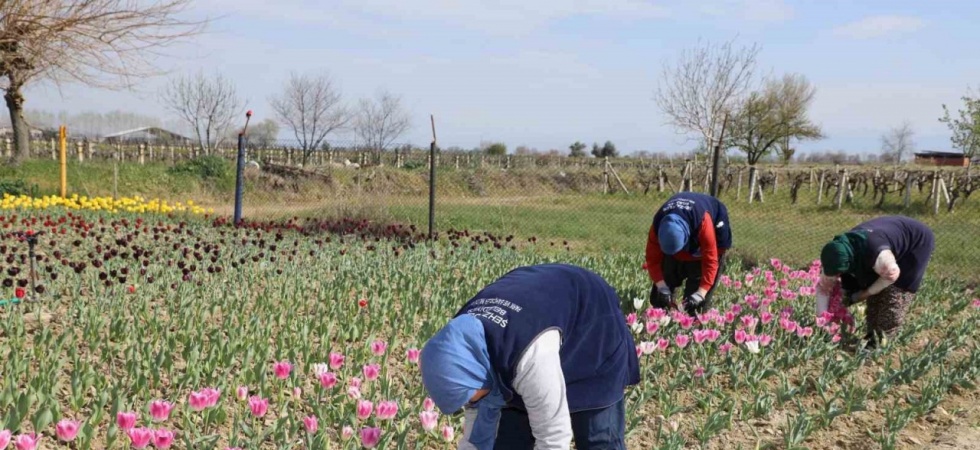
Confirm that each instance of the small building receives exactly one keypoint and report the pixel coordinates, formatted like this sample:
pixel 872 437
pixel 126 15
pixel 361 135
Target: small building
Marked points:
pixel 147 135
pixel 8 133
pixel 932 158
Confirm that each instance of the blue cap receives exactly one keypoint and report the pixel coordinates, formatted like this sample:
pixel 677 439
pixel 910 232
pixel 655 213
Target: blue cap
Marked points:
pixel 673 234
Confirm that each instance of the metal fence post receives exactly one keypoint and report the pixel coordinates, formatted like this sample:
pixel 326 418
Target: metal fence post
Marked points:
pixel 240 171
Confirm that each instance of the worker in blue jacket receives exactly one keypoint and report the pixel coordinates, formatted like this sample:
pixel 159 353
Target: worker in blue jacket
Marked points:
pixel 538 358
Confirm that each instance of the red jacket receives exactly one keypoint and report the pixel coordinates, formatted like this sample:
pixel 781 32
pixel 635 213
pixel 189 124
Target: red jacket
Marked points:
pixel 710 254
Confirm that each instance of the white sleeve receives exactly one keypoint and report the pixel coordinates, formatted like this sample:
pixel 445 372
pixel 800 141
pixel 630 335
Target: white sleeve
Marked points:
pixel 887 269
pixel 824 287
pixel 469 417
pixel 540 383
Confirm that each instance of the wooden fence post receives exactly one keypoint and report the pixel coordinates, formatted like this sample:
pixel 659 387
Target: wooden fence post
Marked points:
pixel 142 155
pixel 79 149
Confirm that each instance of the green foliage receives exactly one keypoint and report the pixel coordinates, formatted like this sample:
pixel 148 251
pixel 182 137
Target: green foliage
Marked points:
pixel 496 149
pixel 204 167
pixel 966 128
pixel 576 150
pixel 607 149
pixel 13 187
pixel 772 117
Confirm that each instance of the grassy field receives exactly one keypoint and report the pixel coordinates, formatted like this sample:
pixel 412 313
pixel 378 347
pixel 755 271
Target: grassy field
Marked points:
pixel 550 206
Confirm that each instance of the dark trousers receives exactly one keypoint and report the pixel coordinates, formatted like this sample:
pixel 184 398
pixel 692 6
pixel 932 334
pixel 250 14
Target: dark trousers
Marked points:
pixel 598 429
pixel 688 274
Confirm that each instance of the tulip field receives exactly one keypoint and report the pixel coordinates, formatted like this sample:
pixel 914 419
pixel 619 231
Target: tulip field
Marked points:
pixel 164 328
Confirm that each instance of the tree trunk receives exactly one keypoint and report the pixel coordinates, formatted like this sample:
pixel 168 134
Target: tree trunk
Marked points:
pixel 753 174
pixel 22 132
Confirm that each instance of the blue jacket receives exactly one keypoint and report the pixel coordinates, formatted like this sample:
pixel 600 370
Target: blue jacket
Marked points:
pixel 598 354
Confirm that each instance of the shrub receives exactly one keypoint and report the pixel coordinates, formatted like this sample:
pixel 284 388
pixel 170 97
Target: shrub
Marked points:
pixel 205 167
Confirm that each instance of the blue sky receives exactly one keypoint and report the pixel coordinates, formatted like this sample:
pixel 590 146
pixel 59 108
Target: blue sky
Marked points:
pixel 545 73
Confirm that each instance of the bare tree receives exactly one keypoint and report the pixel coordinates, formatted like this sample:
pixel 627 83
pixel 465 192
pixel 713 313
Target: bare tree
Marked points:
pixel 898 142
pixel 771 116
pixel 707 82
pixel 206 105
pixel 381 121
pixel 310 106
pixel 101 43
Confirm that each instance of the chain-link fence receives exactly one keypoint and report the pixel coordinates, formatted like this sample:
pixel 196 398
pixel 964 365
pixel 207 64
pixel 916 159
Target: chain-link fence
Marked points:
pixel 573 204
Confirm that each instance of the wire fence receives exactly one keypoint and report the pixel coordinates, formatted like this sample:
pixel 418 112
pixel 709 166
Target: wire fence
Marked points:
pixel 568 204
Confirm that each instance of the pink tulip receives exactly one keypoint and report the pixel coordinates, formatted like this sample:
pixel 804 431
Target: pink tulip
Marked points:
pixel 371 371
pixel 5 437
pixel 740 336
pixel 630 319
pixel 336 360
pixel 835 339
pixel 749 321
pixel 656 314
pixel 354 392
pixel 242 392
pixel 160 410
pixel 347 433
pixel 448 433
pixel 821 321
pixel 27 441
pixel 725 348
pixel 804 331
pixel 737 309
pixel 765 317
pixel 749 278
pixel 370 437
pixel 66 430
pixel 699 372
pixel 686 322
pixel 355 382
pixel 729 317
pixel 429 420
pixel 213 395
pixel 412 355
pixel 639 351
pixel 140 437
pixel 328 380
pixel 282 369
pixel 378 347
pixel 776 263
pixel 788 325
pixel 976 303
pixel 126 420
pixel 428 404
pixel 713 335
pixel 364 408
pixel 738 285
pixel 681 340
pixel 700 336
pixel 163 438
pixel 662 344
pixel 764 340
pixel 258 405
pixel 310 423
pixel 297 392
pixel 652 327
pixel 726 280
pixel 198 400
pixel 387 410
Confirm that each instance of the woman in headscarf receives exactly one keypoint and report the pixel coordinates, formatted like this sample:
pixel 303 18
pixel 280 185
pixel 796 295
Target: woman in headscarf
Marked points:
pixel 880 261
pixel 538 358
pixel 686 244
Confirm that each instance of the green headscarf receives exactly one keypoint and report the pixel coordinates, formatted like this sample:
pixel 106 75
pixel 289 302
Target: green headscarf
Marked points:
pixel 841 254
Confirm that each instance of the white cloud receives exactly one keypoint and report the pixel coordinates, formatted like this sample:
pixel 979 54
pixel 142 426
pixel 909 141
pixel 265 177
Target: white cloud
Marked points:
pixel 503 17
pixel 750 10
pixel 878 26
